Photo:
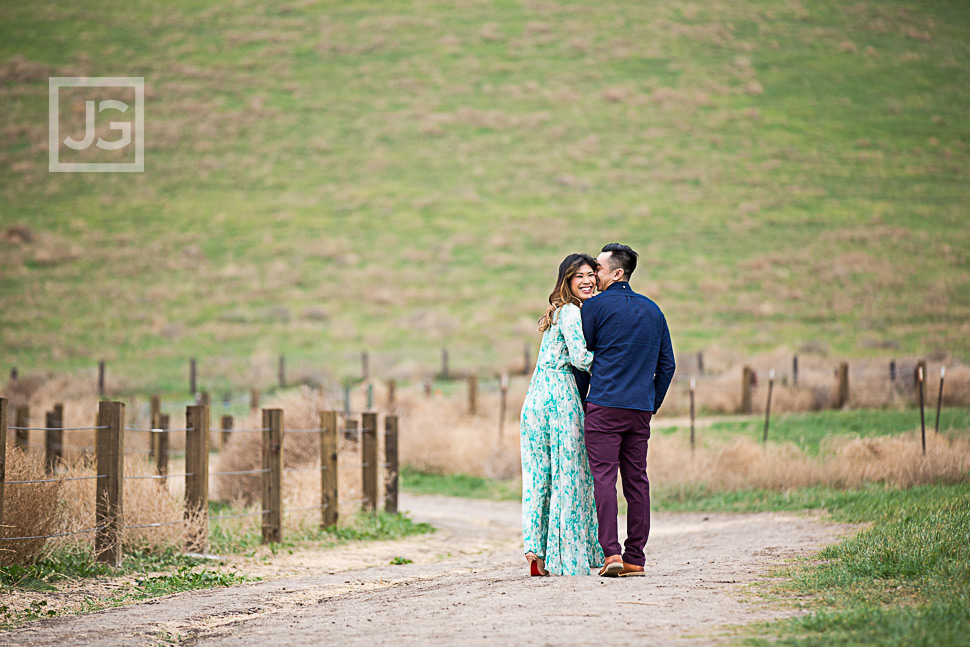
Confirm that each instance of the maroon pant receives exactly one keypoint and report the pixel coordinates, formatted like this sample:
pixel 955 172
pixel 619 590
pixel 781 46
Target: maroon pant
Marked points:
pixel 617 438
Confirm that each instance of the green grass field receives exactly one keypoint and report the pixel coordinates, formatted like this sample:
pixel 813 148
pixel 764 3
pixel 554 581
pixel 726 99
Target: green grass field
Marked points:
pixel 327 177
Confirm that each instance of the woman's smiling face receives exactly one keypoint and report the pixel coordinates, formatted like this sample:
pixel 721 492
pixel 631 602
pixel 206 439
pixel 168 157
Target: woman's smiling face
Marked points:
pixel 583 283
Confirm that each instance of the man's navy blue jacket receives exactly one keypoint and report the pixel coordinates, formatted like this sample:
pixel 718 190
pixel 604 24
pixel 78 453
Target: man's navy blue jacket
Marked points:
pixel 633 360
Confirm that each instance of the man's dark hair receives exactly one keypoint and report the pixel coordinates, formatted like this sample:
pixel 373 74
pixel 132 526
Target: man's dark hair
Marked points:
pixel 621 256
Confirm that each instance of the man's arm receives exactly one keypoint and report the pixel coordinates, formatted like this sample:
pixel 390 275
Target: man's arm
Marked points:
pixel 665 369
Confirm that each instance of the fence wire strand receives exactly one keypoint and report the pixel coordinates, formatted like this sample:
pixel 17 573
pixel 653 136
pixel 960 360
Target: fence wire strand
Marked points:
pixel 57 428
pixel 262 471
pixel 61 534
pixel 157 524
pixel 158 476
pixel 72 478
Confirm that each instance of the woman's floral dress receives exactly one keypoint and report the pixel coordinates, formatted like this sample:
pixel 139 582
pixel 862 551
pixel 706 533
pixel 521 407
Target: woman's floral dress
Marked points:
pixel 558 510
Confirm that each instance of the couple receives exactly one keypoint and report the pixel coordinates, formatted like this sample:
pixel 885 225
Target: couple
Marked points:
pixel 573 442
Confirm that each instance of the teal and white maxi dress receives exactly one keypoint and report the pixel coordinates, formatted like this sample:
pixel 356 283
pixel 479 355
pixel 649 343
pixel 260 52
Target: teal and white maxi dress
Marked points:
pixel 558 509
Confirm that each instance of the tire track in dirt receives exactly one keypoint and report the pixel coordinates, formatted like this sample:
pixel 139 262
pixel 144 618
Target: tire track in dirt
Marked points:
pixel 468 586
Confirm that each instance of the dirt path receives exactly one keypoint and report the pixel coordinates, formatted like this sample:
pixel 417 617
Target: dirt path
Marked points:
pixel 467 586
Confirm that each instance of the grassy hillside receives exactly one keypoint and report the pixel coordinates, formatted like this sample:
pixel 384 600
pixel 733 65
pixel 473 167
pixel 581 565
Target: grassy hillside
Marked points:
pixel 323 177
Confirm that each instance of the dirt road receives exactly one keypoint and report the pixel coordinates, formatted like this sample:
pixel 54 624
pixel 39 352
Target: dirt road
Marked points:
pixel 467 586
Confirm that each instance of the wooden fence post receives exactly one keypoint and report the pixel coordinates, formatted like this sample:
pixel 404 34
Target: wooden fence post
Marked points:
pixel 700 362
pixel 197 477
pixel 842 396
pixel 21 435
pixel 368 450
pixel 364 366
pixel 54 437
pixel 427 388
pixel 390 457
pixel 693 386
pixel 192 376
pixel 3 452
pixel 226 425
pixel 391 393
pixel 526 359
pixel 920 366
pixel 101 378
pixel 154 417
pixel 920 376
pixel 350 431
pixel 109 503
pixel 747 378
pixel 328 469
pixel 472 394
pixel 939 398
pixel 771 384
pixel 282 372
pixel 254 399
pixel 503 384
pixel 160 440
pixel 794 371
pixel 273 478
pixel 444 363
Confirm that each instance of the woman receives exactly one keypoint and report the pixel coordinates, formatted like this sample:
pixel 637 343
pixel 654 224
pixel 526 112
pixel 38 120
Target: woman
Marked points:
pixel 558 512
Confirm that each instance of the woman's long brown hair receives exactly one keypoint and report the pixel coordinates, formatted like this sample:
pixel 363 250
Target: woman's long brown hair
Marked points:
pixel 562 294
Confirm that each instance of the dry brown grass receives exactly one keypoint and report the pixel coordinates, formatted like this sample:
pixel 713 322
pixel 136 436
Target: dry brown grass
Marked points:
pixel 38 509
pixel 301 410
pixel 895 461
pixel 29 510
pixel 439 435
pixel 146 501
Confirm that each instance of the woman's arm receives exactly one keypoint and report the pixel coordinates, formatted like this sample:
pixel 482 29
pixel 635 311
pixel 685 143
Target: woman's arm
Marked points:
pixel 572 331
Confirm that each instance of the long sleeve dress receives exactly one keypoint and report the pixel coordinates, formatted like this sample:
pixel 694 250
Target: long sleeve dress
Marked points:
pixel 558 511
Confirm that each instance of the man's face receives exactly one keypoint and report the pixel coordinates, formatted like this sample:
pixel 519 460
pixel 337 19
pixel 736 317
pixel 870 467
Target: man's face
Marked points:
pixel 604 275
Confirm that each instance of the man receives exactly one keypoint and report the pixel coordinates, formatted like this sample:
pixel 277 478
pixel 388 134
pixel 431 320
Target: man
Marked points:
pixel 632 367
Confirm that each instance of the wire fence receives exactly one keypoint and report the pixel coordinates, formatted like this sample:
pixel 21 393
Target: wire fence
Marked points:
pixel 111 484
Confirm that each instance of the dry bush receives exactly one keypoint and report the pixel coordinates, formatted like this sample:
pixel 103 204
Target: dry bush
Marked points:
pixel 898 460
pixel 895 461
pixel 439 435
pixel 29 510
pixel 301 410
pixel 146 501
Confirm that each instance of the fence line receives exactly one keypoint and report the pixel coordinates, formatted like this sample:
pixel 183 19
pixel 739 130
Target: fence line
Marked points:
pixel 110 452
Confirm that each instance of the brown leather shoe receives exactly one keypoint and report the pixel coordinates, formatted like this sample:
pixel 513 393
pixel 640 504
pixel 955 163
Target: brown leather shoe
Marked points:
pixel 612 567
pixel 631 570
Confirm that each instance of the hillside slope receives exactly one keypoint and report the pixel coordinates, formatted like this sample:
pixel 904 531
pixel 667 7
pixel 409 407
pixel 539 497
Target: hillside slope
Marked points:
pixel 324 177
